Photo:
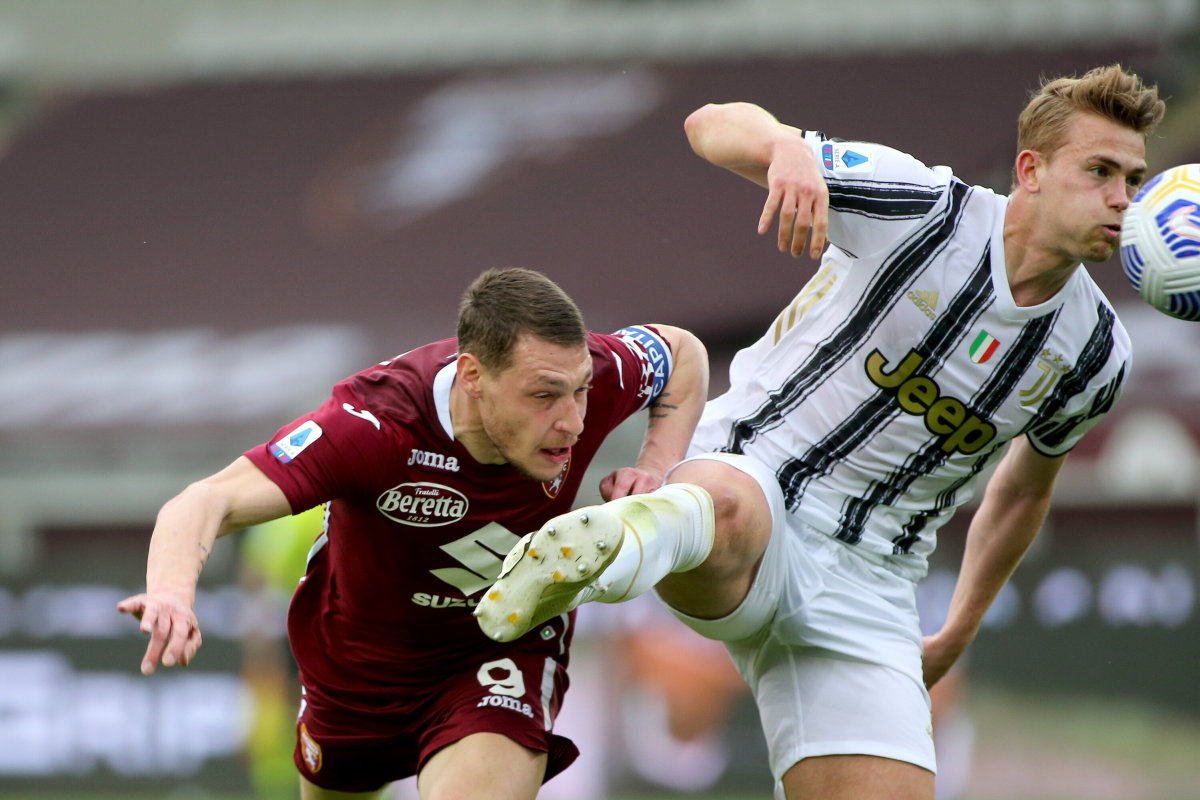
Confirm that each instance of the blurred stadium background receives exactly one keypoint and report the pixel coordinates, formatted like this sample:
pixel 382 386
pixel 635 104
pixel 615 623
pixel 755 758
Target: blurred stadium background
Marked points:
pixel 211 210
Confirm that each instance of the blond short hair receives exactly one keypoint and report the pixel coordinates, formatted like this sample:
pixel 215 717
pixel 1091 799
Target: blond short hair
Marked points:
pixel 1109 92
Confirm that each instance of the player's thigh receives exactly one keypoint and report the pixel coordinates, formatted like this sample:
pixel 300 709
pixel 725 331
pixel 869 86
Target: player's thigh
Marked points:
pixel 856 777
pixel 483 765
pixel 310 791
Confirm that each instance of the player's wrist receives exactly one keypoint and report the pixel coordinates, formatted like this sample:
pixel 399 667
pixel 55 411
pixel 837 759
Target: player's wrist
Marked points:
pixel 956 636
pixel 173 590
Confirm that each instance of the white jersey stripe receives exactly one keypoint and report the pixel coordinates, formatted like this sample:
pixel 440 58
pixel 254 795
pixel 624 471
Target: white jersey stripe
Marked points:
pixel 889 283
pixel 949 330
pixel 986 401
pixel 874 412
pixel 548 671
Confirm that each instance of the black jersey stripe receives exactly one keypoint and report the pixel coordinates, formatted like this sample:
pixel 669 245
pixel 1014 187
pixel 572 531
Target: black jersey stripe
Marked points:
pixel 887 284
pixel 1053 434
pixel 1108 395
pixel 1092 359
pixel 882 201
pixel 956 322
pixel 899 189
pixel 987 399
pixel 878 199
pixel 794 474
pixel 946 499
pixel 1050 432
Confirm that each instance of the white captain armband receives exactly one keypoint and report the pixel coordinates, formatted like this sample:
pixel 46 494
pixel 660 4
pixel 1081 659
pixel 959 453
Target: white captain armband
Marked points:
pixel 654 354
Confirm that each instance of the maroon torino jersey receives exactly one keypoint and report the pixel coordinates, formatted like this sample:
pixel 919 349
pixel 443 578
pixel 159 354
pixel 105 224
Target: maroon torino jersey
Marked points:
pixel 416 528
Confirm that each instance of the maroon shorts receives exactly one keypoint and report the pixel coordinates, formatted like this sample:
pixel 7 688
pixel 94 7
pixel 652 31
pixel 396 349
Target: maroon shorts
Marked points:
pixel 349 750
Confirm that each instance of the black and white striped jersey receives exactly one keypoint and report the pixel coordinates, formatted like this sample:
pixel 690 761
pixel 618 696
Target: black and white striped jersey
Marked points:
pixel 901 369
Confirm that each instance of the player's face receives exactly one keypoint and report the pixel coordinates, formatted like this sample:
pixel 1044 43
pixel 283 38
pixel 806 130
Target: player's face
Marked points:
pixel 533 411
pixel 1088 184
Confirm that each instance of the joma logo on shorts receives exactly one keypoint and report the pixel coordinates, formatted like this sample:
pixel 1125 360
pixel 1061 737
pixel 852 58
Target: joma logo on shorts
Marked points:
pixel 948 417
pixel 511 703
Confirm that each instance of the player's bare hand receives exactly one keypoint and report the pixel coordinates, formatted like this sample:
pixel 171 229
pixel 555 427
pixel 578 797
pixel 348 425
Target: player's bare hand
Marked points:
pixel 628 480
pixel 940 655
pixel 167 618
pixel 796 191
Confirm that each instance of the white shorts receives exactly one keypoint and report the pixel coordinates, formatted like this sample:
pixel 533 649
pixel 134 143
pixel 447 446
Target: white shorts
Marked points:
pixel 829 640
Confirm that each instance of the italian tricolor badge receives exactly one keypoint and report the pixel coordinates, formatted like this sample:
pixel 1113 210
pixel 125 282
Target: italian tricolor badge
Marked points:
pixel 982 348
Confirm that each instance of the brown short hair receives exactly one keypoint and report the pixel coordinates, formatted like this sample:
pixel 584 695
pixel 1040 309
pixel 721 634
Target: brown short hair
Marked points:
pixel 502 304
pixel 1110 92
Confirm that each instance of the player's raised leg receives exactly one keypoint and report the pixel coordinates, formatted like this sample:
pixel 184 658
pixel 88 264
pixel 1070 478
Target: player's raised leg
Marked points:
pixel 748 505
pixel 706 530
pixel 545 572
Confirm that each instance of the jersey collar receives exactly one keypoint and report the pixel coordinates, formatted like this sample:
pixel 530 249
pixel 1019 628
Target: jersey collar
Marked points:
pixel 441 395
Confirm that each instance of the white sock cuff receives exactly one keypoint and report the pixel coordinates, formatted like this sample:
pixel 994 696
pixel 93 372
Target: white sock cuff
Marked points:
pixel 668 530
pixel 705 522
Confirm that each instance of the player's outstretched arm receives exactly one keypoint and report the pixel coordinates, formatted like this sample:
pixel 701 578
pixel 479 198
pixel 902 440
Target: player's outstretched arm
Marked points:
pixel 673 418
pixel 749 141
pixel 1014 506
pixel 184 533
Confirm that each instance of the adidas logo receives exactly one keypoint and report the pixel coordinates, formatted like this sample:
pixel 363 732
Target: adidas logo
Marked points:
pixel 926 301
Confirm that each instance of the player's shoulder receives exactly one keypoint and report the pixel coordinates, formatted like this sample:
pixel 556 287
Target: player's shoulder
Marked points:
pixel 402 387
pixel 635 360
pixel 1096 300
pixel 855 160
pixel 1094 321
pixel 424 359
pixel 417 366
pixel 637 342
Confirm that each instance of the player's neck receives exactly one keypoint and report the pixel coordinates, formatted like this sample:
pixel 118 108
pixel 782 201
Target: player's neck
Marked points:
pixel 467 424
pixel 1035 271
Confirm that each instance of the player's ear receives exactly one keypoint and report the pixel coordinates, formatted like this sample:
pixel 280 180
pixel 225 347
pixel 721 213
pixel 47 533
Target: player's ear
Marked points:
pixel 469 372
pixel 1028 170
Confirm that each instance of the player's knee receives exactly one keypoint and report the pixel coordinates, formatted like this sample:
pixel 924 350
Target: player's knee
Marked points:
pixel 742 516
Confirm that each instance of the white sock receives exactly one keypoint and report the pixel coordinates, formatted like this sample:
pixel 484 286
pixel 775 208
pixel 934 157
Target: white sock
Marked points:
pixel 668 530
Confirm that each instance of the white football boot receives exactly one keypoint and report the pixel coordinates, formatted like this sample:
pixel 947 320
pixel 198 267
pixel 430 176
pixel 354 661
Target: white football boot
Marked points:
pixel 548 571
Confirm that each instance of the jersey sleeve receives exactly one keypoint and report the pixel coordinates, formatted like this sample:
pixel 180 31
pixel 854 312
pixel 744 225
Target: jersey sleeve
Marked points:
pixel 633 366
pixel 333 452
pixel 1060 433
pixel 653 356
pixel 1085 394
pixel 876 194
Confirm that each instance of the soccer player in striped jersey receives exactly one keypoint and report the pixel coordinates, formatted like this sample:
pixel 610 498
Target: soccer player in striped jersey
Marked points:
pixel 432 464
pixel 947 330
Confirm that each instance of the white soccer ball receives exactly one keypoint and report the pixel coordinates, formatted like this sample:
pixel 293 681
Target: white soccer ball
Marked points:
pixel 1160 242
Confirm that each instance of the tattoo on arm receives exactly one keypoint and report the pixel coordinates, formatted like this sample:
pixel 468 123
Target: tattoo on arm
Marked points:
pixel 660 408
pixel 205 553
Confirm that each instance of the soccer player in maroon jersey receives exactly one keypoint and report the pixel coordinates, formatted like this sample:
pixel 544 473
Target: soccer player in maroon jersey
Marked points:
pixel 432 465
